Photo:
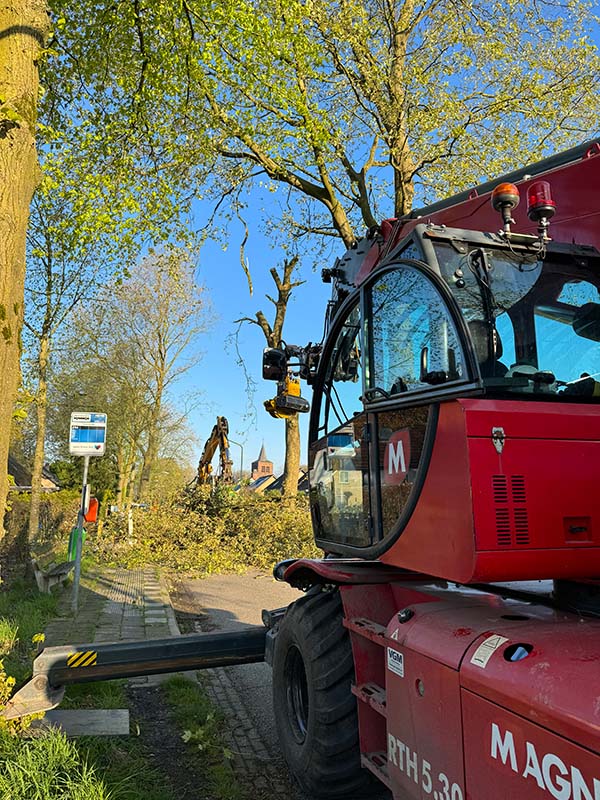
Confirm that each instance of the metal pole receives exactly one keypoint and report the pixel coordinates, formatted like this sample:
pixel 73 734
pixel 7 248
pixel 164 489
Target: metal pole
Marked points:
pixel 79 542
pixel 241 457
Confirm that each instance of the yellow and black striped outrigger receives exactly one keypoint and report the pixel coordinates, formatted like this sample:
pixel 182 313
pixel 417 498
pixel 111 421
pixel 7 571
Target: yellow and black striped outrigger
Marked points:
pixel 57 667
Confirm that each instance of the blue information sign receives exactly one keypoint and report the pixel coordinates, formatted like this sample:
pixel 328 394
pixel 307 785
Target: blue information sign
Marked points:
pixel 87 436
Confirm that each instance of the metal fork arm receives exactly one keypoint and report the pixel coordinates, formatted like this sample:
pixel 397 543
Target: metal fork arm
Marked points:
pixel 57 667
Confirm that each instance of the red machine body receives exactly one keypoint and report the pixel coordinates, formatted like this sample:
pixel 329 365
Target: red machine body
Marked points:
pixel 577 217
pixel 465 693
pixel 522 507
pixel 489 488
pixel 460 719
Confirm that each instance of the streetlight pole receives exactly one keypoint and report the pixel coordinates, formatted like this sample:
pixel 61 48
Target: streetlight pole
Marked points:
pixel 237 444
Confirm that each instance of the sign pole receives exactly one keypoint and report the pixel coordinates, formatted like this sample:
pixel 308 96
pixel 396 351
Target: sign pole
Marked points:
pixel 87 437
pixel 79 541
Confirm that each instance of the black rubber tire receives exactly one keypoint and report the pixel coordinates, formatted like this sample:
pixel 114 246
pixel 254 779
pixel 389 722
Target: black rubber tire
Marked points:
pixel 315 711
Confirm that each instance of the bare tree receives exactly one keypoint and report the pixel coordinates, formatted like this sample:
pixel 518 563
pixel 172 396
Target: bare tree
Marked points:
pixel 274 337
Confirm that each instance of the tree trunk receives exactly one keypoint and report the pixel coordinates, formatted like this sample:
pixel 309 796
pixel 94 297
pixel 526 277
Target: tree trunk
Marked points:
pixel 125 464
pixel 148 461
pixel 151 453
pixel 124 461
pixel 292 457
pixel 24 25
pixel 130 484
pixel 41 404
pixel 121 478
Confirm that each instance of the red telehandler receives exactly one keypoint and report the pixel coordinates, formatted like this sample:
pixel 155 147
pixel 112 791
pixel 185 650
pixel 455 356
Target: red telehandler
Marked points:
pixel 447 645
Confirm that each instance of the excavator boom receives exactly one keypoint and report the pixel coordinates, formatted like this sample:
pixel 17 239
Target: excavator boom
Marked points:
pixel 218 439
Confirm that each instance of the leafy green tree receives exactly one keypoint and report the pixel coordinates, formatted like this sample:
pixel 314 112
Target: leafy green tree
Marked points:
pixel 25 27
pixel 351 107
pixel 106 191
pixel 352 104
pixel 76 241
pixel 357 103
pixel 125 354
pixel 160 312
pixel 66 473
pixel 113 392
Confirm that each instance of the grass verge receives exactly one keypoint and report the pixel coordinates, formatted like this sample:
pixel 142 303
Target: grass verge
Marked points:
pixel 202 728
pixel 48 766
pixel 24 613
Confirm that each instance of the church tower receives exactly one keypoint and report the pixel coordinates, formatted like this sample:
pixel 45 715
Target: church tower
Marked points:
pixel 262 466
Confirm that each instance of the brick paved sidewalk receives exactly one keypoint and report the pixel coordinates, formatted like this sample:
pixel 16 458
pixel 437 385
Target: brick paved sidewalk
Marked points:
pixel 118 604
pixel 115 604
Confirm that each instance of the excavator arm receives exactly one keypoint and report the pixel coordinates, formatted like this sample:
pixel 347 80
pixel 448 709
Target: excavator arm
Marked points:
pixel 218 439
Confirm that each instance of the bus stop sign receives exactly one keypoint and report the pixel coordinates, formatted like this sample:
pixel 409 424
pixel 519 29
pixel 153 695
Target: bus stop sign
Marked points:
pixel 87 435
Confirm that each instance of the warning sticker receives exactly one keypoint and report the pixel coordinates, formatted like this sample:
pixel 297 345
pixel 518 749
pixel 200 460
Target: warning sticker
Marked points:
pixel 82 659
pixel 486 650
pixel 395 662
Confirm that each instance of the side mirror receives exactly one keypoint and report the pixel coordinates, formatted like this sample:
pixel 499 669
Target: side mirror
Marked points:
pixel 274 364
pixel 586 321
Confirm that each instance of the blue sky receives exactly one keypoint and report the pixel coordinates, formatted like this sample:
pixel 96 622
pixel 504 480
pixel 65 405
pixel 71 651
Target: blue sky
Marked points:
pixel 219 379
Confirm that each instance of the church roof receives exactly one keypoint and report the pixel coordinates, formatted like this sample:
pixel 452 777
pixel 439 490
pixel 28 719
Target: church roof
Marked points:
pixel 262 456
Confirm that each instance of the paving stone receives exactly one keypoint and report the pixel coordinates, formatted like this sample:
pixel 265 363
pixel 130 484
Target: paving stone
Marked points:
pixel 141 680
pixel 116 605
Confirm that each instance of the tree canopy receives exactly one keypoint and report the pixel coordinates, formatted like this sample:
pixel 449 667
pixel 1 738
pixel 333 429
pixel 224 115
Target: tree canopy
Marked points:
pixel 354 105
pixel 124 354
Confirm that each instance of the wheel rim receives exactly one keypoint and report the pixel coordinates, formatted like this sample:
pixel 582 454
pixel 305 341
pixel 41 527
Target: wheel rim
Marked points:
pixel 297 694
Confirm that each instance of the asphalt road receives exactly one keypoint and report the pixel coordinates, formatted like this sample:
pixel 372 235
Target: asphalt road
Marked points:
pixel 227 603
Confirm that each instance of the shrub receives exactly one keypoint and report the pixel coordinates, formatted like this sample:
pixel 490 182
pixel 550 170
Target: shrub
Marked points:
pixel 58 514
pixel 220 531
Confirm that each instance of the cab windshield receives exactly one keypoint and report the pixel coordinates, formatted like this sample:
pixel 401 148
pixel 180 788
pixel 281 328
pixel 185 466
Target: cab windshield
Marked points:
pixel 534 319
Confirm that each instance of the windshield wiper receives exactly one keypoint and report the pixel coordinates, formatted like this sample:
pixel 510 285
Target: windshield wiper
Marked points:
pixel 479 266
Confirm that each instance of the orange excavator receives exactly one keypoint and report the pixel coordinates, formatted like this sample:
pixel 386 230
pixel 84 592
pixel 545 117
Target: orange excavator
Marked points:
pixel 218 438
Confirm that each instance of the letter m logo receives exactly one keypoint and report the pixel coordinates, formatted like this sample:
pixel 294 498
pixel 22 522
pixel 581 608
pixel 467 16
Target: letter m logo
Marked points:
pixel 396 460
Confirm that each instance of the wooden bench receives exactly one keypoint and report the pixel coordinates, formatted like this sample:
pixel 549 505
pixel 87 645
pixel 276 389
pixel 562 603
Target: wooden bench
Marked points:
pixel 46 579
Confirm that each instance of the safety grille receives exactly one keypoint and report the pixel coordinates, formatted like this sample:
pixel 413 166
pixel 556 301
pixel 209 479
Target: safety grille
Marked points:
pixel 510 500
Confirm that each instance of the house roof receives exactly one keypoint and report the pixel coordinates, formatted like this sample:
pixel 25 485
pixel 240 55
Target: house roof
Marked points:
pixel 22 475
pixel 277 484
pixel 260 484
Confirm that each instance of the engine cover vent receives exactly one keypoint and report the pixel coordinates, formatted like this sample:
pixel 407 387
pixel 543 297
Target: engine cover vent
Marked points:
pixel 510 500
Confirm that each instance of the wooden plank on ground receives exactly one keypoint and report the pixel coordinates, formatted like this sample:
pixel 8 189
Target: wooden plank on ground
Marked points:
pixel 82 722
